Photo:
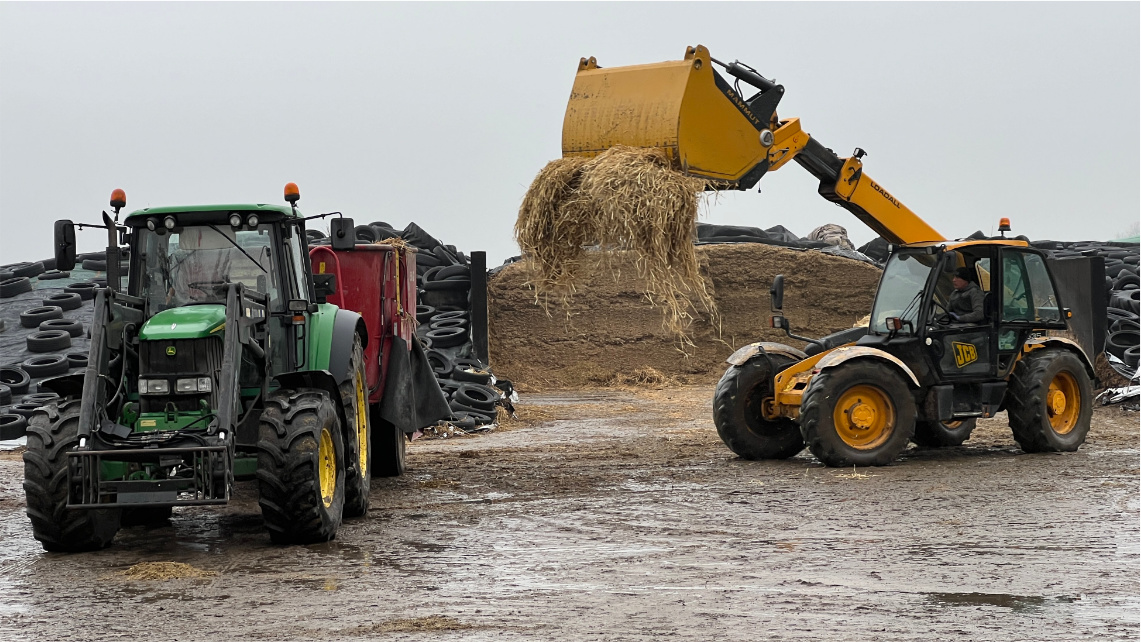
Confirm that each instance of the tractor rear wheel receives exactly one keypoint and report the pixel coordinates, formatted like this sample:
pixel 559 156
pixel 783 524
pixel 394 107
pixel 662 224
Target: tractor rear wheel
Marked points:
pixel 1049 401
pixel 53 430
pixel 391 446
pixel 857 414
pixel 737 411
pixel 358 436
pixel 941 434
pixel 301 469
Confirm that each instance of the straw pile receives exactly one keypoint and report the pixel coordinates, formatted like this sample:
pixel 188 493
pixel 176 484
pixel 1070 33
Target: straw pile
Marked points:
pixel 624 199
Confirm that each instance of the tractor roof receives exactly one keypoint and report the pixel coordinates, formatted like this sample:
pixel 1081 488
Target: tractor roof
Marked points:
pixel 243 207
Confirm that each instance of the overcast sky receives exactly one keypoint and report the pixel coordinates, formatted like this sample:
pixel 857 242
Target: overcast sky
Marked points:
pixel 443 113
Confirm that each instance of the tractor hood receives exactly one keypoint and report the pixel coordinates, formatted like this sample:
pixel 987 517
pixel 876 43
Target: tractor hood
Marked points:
pixel 189 322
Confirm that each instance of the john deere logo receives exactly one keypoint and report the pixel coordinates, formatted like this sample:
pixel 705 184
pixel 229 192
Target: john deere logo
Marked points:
pixel 170 351
pixel 964 353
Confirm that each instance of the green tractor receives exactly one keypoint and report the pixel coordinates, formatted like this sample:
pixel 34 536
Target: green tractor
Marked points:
pixel 217 359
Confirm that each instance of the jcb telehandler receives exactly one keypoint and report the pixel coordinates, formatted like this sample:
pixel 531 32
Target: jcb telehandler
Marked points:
pixel 219 359
pixel 857 397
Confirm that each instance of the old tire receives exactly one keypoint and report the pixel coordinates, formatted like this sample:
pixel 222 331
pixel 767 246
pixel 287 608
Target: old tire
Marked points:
pixel 301 471
pixel 857 414
pixel 1049 401
pixel 15 285
pixel 941 434
pixel 389 448
pixel 358 436
pixel 53 431
pixel 737 412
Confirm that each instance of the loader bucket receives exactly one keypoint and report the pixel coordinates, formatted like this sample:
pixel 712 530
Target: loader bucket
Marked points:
pixel 683 107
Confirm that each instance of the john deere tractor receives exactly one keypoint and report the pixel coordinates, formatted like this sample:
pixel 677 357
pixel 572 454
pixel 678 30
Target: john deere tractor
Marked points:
pixel 218 360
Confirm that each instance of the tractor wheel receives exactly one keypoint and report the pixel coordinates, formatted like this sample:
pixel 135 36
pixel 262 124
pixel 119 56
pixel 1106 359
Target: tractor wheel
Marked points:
pixel 301 470
pixel 358 437
pixel 1049 401
pixel 390 444
pixel 857 414
pixel 53 431
pixel 940 434
pixel 737 412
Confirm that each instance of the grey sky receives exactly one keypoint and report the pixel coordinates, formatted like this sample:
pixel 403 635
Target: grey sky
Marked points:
pixel 442 113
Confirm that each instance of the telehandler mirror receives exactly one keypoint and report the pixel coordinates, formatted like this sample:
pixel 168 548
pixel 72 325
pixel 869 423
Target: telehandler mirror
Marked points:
pixel 776 293
pixel 343 233
pixel 64 245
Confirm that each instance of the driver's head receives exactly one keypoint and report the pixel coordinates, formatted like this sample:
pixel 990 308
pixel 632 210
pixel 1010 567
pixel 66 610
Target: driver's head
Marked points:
pixel 962 278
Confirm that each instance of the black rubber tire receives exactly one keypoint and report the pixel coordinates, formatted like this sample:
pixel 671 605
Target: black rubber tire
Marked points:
pixel 365 234
pixel 94 265
pixel 1132 356
pixel 33 317
pixel 737 412
pixel 40 398
pixel 12 426
pixel 28 269
pixel 290 430
pixel 52 275
pixel 70 326
pixel 15 378
pixel 468 374
pixel 447 337
pixel 5 394
pixel 443 315
pixel 358 439
pixel 76 360
pixel 449 386
pixel 424 313
pixel 817 423
pixel 1123 281
pixel 314 235
pixel 942 434
pixel 448 323
pixel 15 285
pixel 53 431
pixel 453 272
pixel 460 409
pixel 1118 342
pixel 65 301
pixel 440 363
pixel 85 289
pixel 48 341
pixel 24 409
pixel 1027 397
pixel 48 365
pixel 5 275
pixel 473 395
pixel 391 448
pixel 448 284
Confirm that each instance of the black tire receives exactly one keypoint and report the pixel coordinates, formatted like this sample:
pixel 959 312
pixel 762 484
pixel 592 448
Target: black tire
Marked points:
pixel 24 409
pixel 53 431
pixel 5 394
pixel 48 341
pixel 5 275
pixel 1132 356
pixel 448 323
pixel 358 435
pixel 32 318
pixel 47 366
pixel 299 442
pixel 737 412
pixel 52 275
pixel 314 235
pixel 452 272
pixel 449 386
pixel 941 434
pixel 12 426
pixel 390 448
pixel 28 269
pixel 65 301
pixel 469 374
pixel 1040 421
pixel 873 390
pixel 40 398
pixel 85 290
pixel 15 378
pixel 440 363
pixel 461 409
pixel 365 234
pixel 71 326
pixel 447 337
pixel 449 314
pixel 424 313
pixel 482 398
pixel 76 360
pixel 448 284
pixel 15 285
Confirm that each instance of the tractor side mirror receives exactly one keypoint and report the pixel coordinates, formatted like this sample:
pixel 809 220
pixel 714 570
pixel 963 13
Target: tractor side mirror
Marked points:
pixel 343 233
pixel 776 293
pixel 323 286
pixel 64 245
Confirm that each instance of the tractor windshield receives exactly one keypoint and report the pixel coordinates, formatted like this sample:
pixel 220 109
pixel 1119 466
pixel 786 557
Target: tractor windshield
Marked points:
pixel 901 290
pixel 193 264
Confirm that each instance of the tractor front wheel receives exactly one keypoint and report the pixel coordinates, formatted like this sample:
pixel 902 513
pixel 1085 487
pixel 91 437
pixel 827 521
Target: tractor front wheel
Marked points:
pixel 1049 401
pixel 737 411
pixel 857 414
pixel 358 436
pixel 301 467
pixel 53 430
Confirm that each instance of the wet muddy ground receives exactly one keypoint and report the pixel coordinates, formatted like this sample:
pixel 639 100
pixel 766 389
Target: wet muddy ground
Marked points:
pixel 609 515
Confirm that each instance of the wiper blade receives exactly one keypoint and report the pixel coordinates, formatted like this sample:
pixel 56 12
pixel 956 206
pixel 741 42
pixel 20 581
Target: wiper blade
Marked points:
pixel 240 248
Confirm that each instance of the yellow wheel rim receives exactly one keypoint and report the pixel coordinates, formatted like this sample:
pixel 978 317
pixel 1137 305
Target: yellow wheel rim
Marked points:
pixel 362 426
pixel 327 467
pixel 1063 403
pixel 864 417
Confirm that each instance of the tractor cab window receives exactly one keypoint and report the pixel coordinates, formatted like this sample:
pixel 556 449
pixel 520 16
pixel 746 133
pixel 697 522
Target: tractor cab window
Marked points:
pixel 1027 292
pixel 193 264
pixel 298 255
pixel 901 290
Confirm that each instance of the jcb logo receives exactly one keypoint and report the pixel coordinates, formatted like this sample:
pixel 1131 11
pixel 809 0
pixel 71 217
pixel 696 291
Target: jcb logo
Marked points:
pixel 964 353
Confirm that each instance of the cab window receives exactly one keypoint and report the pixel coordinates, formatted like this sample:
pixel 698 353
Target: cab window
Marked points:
pixel 1027 292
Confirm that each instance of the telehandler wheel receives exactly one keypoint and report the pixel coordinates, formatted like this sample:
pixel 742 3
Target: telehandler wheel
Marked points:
pixel 391 446
pixel 940 434
pixel 1049 401
pixel 52 431
pixel 857 414
pixel 301 470
pixel 358 436
pixel 737 412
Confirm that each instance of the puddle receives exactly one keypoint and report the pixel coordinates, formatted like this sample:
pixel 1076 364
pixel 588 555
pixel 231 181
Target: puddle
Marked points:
pixel 1017 603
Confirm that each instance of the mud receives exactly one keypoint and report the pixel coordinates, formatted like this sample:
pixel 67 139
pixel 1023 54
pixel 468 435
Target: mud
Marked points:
pixel 618 515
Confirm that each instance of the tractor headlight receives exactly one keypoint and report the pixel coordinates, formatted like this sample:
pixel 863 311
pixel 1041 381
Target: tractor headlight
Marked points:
pixel 235 220
pixel 154 386
pixel 197 384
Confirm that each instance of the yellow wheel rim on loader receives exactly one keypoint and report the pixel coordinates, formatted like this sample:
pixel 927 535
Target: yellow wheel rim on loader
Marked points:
pixel 864 417
pixel 327 467
pixel 362 426
pixel 1063 403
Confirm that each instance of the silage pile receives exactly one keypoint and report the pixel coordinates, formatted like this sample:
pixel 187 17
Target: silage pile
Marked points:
pixel 626 199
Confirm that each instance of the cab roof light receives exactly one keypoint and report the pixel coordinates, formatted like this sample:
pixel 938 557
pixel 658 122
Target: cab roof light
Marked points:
pixel 292 193
pixel 118 199
pixel 1004 224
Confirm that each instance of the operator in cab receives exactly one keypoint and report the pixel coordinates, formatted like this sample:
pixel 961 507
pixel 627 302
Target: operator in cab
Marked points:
pixel 966 303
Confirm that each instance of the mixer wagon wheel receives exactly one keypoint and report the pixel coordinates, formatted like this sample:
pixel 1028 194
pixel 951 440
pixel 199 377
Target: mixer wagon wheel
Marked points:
pixel 358 435
pixel 301 466
pixel 737 412
pixel 52 431
pixel 391 446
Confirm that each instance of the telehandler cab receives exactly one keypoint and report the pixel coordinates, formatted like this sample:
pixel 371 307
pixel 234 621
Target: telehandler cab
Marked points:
pixel 857 397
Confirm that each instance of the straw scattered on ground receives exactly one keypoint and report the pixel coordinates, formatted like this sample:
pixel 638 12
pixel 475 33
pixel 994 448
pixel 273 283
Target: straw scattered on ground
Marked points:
pixel 163 571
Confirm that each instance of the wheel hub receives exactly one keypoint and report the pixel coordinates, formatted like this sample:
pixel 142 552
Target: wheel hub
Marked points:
pixel 327 467
pixel 1056 402
pixel 362 427
pixel 863 415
